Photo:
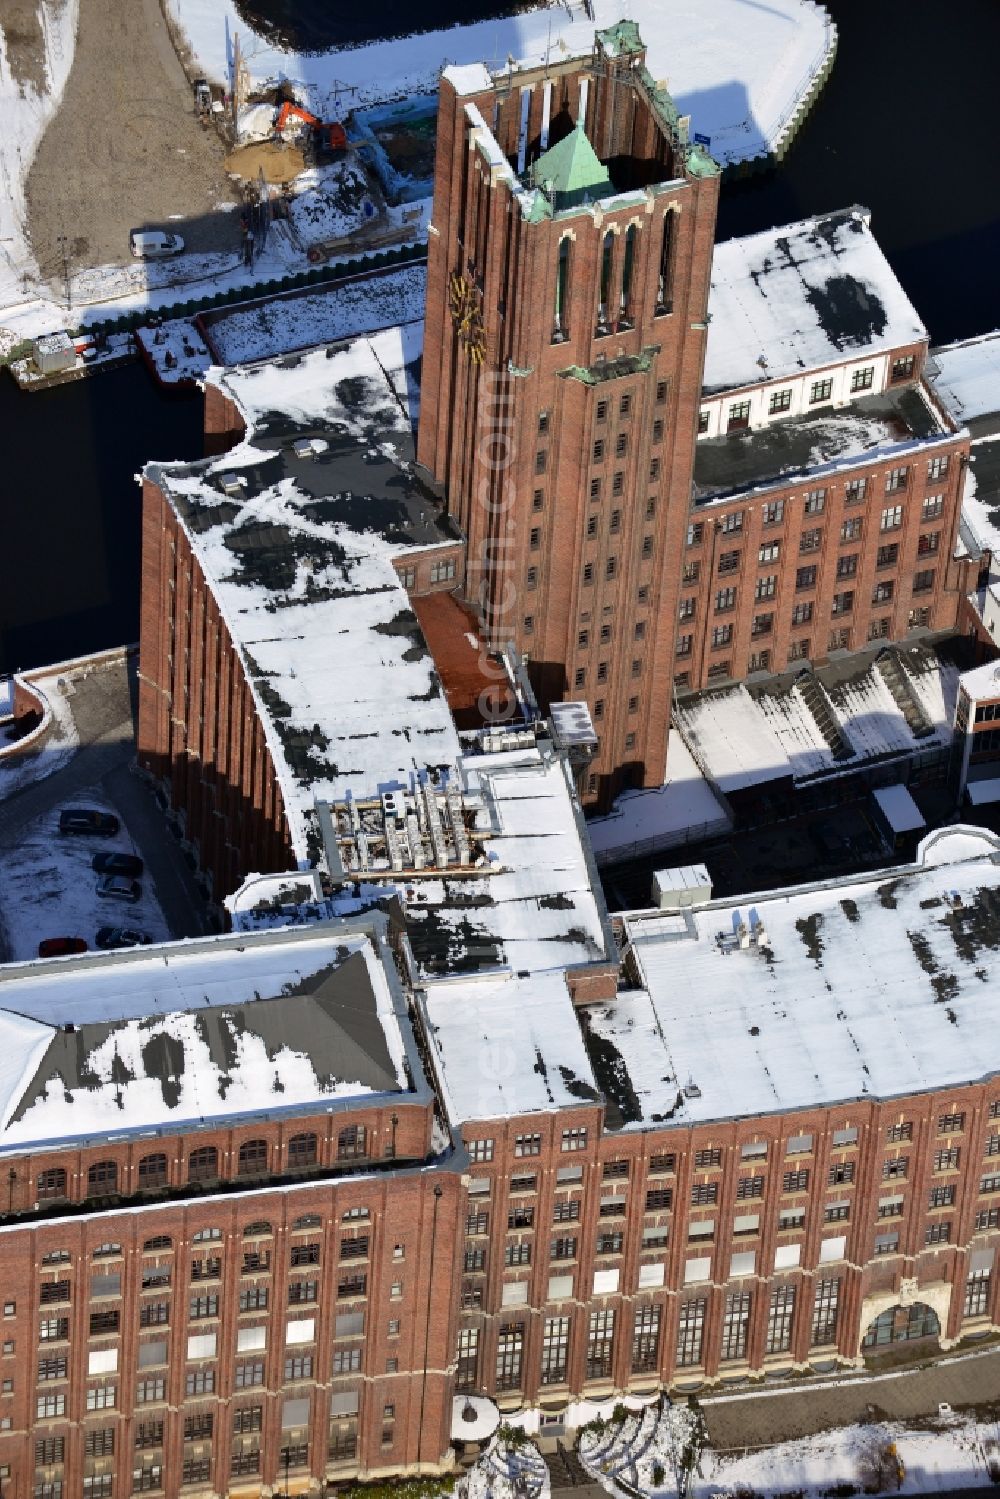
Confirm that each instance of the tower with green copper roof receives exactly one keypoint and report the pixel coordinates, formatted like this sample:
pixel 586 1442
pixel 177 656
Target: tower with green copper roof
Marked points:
pixel 570 171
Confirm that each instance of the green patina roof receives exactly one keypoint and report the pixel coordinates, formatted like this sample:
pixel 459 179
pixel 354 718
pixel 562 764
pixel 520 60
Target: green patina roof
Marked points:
pixel 622 37
pixel 571 169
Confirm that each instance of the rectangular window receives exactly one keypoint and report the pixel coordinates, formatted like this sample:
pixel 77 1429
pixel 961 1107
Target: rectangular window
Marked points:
pixel 690 1332
pixel 721 636
pixel 805 577
pixel 729 562
pixel 815 502
pixel 820 390
pixel 735 1324
pixel 704 417
pixel 902 368
pixel 897 479
pixel 928 542
pixel 684 646
pixel 725 599
pixel 802 613
pixel 892 518
pixel 843 603
pixel 923 582
pixel 739 416
pixel 895 1168
pixel 510 1351
pixel 795 1181
pixel 599 450
pixel 855 491
pixel 811 541
pixel 847 567
pixel 941 1197
pixel 937 1233
pixel 780 1314
pixel 851 529
pixel 781 400
pixel 762 624
pixel 947 1160
pixel 600 1343
pixel 933 507
pixel 574 1139
pixel 863 379
pixel 977 1294
pixel 695 533
pixel 773 513
pixel 467 1371
pixel 824 1319
pixel 732 523
pixel 768 552
pixel 766 587
pixel 555 1350
pixel 886 1243
pixel 950 1124
pixel 703 1193
pixel 646 1339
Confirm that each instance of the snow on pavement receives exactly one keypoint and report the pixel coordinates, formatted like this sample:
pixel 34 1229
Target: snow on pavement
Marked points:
pixel 48 889
pixel 740 70
pixel 60 742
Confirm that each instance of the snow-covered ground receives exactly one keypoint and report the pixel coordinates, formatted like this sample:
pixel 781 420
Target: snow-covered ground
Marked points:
pixel 177 350
pixel 647 1449
pixel 330 202
pixel 26 108
pixel 740 69
pixel 48 889
pixel 61 741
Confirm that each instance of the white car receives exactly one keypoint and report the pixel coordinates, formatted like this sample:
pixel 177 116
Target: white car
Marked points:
pixel 150 244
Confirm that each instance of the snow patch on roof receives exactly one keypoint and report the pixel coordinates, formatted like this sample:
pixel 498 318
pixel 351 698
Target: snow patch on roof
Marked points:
pixel 801 297
pixel 966 376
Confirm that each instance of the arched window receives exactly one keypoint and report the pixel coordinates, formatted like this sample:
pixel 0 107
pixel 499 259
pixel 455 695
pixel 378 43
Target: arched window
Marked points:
pixel 153 1170
pixel 665 287
pixel 561 328
pixel 308 1220
pixel 902 1324
pixel 351 1142
pixel 302 1151
pixel 107 1251
pixel 203 1164
pixel 158 1241
pixel 252 1158
pixel 259 1230
pixel 628 271
pixel 51 1183
pixel 102 1178
pixel 607 265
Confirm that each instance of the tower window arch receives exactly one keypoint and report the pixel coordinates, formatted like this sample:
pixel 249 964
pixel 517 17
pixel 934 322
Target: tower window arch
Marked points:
pixel 561 327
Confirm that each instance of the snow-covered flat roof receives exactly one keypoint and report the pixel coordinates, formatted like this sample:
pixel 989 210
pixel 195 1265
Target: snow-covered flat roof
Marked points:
pixel 899 809
pixel 982 682
pixel 966 376
pixel 685 805
pixel 508 1045
pixel 109 1043
pixel 537 907
pixel 297 548
pixel 801 297
pixel 866 987
pixel 744 736
pixel 741 71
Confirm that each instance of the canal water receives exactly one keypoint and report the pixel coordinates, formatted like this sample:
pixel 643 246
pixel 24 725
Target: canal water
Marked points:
pixel 907 124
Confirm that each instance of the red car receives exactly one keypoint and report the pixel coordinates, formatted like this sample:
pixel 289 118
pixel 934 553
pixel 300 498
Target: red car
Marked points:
pixel 60 947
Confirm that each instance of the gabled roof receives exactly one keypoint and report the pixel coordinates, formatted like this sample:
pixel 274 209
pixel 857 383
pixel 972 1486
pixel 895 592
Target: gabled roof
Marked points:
pixel 572 170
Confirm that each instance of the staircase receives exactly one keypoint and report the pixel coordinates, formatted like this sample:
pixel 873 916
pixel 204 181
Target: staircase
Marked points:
pixel 895 678
pixel 565 1469
pixel 818 704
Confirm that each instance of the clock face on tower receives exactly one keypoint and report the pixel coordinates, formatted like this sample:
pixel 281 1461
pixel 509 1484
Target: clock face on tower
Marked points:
pixel 465 301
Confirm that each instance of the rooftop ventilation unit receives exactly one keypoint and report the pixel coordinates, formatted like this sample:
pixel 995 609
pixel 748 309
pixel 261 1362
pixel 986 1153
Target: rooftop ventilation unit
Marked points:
pixel 687 885
pixel 232 483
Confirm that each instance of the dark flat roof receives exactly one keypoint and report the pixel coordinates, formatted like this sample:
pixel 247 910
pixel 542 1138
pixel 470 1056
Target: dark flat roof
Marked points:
pixel 726 465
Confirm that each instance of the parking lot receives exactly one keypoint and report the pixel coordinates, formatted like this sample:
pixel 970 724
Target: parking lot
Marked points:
pixel 47 885
pixel 48 888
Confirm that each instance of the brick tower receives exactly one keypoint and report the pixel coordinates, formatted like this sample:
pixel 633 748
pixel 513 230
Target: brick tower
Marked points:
pixel 568 277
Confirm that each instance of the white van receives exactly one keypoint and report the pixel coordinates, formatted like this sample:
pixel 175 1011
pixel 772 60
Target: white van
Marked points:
pixel 149 244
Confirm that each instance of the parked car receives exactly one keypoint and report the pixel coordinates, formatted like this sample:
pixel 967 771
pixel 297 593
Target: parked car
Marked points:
pixel 60 947
pixel 110 937
pixel 151 244
pixel 119 887
pixel 87 820
pixel 116 863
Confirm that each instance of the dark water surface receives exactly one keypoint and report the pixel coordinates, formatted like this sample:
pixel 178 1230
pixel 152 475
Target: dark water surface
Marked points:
pixel 317 25
pixel 71 510
pixel 908 124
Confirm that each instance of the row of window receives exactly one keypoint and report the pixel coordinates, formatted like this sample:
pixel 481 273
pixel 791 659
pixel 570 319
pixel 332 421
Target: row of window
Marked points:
pixel 254 1158
pixel 820 391
pixel 614 310
pixel 772 513
pixel 769 552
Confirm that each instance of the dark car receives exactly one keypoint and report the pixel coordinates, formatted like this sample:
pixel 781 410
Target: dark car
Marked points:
pixel 87 820
pixel 119 887
pixel 116 863
pixel 121 936
pixel 60 947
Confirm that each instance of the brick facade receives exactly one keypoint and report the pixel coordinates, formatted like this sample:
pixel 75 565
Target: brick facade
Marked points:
pixel 200 734
pixel 568 558
pixel 897 573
